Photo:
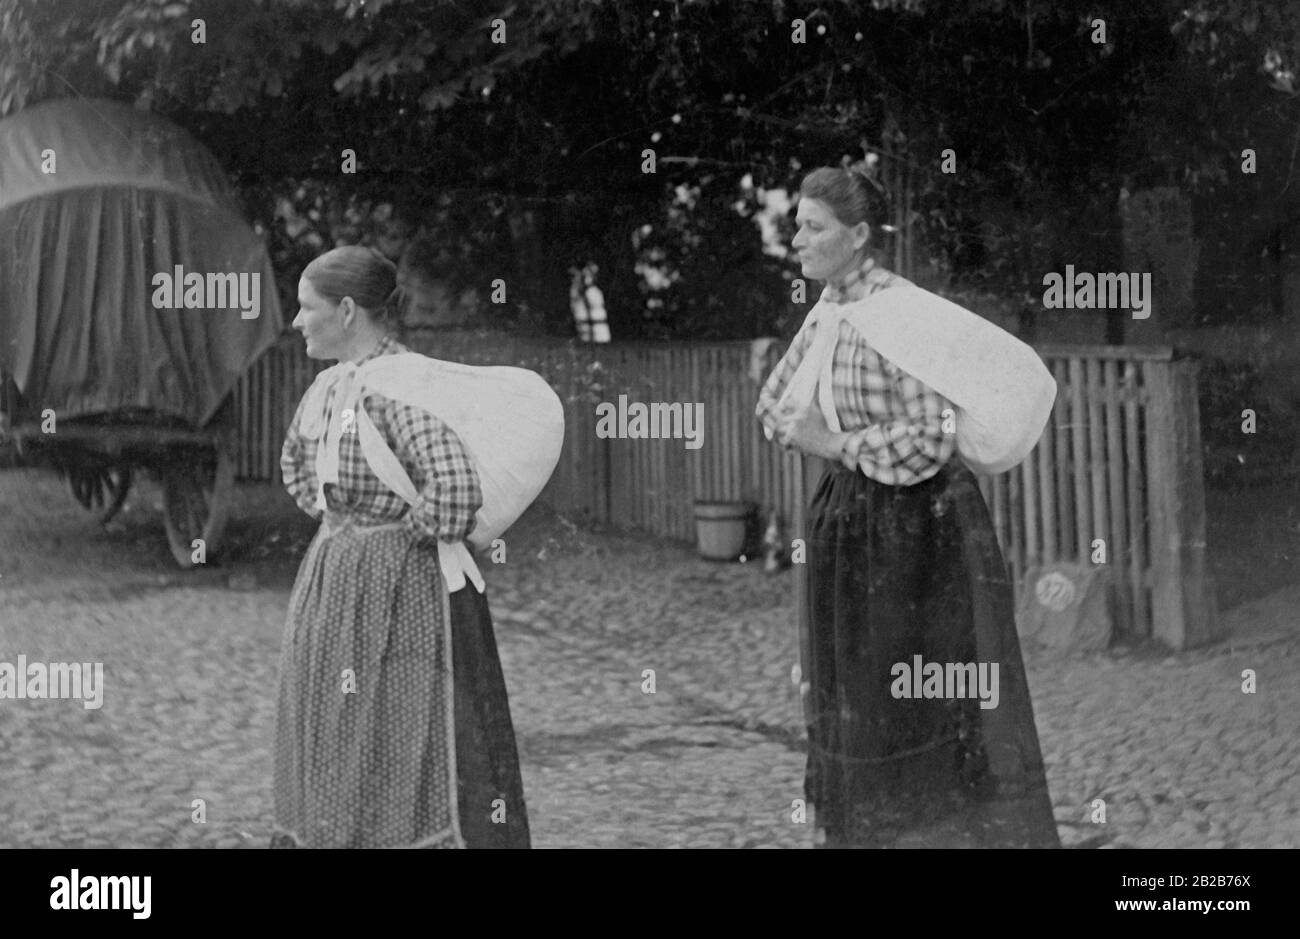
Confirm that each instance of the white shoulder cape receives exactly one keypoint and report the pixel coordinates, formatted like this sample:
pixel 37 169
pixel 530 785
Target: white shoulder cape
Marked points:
pixel 1000 388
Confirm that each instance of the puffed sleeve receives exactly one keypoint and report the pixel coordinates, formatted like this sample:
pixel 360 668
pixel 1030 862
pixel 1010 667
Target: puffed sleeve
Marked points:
pixel 773 388
pixel 297 462
pixel 440 468
pixel 917 443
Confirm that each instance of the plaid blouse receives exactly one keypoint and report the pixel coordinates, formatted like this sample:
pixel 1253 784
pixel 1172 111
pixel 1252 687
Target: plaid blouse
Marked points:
pixel 896 421
pixel 428 450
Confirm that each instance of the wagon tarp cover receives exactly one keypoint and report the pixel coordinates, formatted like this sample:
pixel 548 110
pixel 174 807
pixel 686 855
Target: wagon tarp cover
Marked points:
pixel 131 196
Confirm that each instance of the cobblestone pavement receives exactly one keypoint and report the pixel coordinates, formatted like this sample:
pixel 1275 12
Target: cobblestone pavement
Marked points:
pixel 713 758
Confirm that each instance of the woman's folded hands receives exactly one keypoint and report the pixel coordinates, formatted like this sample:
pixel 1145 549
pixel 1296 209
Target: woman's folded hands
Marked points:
pixel 804 428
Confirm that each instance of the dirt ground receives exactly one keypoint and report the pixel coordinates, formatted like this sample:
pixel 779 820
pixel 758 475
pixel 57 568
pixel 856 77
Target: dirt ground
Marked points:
pixel 1253 537
pixel 714 758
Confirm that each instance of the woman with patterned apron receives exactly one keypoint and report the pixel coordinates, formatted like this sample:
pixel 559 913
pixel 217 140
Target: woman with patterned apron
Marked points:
pixel 393 727
pixel 903 569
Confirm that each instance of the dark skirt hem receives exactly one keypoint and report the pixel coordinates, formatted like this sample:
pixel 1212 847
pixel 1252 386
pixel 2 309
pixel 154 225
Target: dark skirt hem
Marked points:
pixel 897 572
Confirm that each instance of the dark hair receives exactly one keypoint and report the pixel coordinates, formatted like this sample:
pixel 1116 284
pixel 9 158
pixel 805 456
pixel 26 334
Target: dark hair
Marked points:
pixel 848 193
pixel 363 274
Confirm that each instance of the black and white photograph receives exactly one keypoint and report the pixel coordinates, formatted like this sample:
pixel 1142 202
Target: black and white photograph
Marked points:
pixel 648 424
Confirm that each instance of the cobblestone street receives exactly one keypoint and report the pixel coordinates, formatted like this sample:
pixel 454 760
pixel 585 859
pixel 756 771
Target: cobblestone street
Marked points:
pixel 713 758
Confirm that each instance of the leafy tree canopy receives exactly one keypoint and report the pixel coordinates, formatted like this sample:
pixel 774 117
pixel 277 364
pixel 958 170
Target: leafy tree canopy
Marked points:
pixel 524 157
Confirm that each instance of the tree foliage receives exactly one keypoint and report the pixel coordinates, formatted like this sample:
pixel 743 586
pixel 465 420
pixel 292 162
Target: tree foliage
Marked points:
pixel 522 158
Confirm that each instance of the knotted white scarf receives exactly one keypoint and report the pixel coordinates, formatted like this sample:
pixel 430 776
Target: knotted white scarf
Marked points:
pixel 811 381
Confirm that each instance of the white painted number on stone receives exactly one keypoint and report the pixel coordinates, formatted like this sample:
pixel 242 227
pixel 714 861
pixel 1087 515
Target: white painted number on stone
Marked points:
pixel 1055 591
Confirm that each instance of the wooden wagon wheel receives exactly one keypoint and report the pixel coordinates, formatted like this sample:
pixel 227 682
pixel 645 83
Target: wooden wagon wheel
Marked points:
pixel 102 490
pixel 196 502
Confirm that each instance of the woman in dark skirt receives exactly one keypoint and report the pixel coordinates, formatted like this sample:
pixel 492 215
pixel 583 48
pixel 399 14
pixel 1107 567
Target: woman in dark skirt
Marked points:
pixel 393 727
pixel 903 569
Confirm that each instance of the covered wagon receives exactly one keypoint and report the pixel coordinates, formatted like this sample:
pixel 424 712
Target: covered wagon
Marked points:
pixel 133 296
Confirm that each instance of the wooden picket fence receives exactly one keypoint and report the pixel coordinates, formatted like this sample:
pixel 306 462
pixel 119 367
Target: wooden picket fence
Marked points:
pixel 1116 478
pixel 1117 471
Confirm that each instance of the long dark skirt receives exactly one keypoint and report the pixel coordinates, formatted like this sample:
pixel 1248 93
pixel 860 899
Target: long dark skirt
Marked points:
pixel 490 790
pixel 368 702
pixel 897 572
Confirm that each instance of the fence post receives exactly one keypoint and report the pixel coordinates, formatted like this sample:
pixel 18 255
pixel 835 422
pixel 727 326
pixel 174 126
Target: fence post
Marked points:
pixel 1182 603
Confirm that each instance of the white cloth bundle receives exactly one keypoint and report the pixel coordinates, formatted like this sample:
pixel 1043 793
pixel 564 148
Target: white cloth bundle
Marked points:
pixel 509 420
pixel 1001 390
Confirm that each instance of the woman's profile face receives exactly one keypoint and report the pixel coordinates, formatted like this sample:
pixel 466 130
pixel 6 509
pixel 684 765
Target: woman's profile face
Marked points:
pixel 827 248
pixel 320 322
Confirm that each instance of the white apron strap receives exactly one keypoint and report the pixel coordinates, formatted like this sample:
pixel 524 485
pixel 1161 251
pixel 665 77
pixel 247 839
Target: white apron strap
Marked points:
pixel 456 561
pixel 811 381
pixel 333 409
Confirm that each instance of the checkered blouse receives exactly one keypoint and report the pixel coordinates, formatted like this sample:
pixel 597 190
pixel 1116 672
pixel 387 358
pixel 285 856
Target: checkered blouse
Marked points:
pixel 428 450
pixel 895 420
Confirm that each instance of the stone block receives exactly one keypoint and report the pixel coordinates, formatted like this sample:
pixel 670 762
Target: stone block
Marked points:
pixel 1066 608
